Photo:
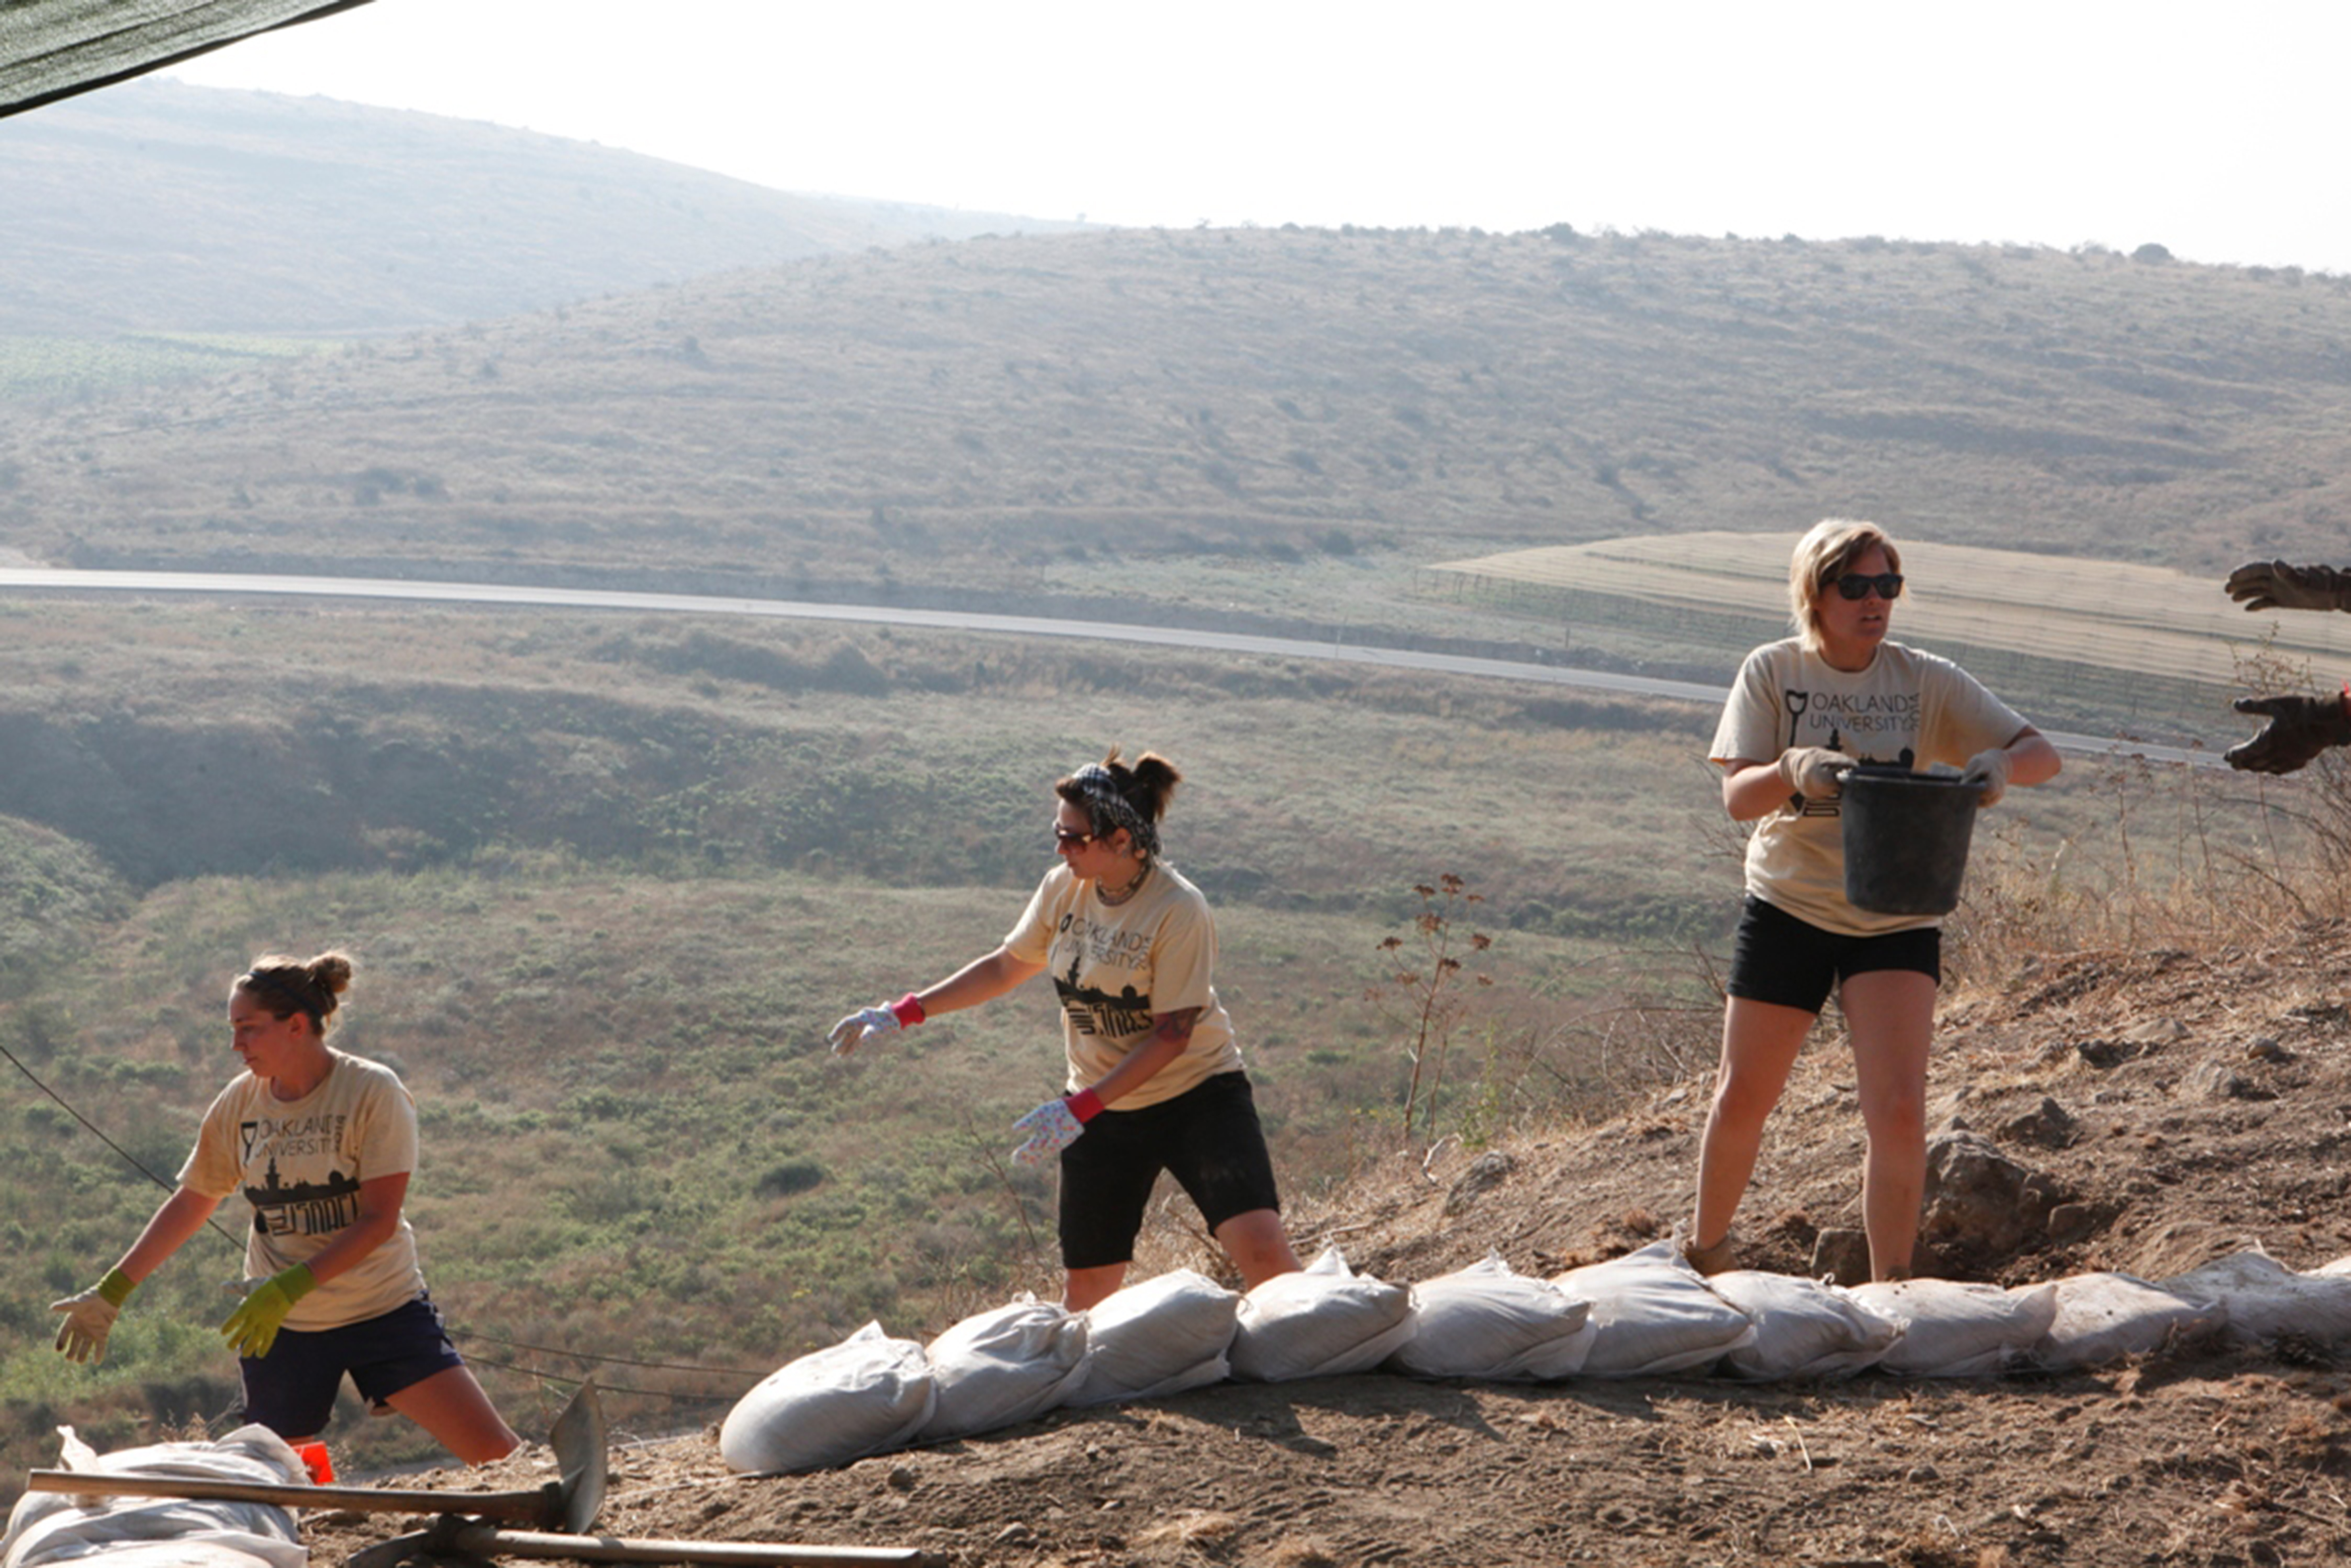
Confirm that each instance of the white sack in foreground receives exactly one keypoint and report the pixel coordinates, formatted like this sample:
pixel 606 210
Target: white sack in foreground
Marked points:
pixel 999 1367
pixel 1804 1328
pixel 1160 1337
pixel 1654 1314
pixel 165 1532
pixel 866 1393
pixel 1952 1329
pixel 2104 1317
pixel 1319 1323
pixel 1486 1321
pixel 2265 1300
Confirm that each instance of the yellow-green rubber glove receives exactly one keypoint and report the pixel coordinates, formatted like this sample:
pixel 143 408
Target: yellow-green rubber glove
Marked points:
pixel 252 1329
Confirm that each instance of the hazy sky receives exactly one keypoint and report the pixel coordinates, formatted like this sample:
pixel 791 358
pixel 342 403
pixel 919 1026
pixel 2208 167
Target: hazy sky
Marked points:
pixel 2213 129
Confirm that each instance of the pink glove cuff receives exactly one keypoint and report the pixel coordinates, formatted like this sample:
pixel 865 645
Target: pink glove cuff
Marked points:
pixel 1085 1105
pixel 908 1010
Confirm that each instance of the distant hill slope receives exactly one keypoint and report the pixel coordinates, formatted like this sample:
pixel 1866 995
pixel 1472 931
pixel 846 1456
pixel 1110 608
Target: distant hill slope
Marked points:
pixel 1080 413
pixel 160 206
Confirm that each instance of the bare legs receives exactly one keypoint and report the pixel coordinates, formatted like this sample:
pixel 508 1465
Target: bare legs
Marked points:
pixel 1256 1242
pixel 1258 1245
pixel 452 1406
pixel 1890 1016
pixel 1759 1041
pixel 1083 1287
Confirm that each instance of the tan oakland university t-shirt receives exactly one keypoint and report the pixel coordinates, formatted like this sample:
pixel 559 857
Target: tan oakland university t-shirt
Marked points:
pixel 1909 708
pixel 1115 968
pixel 299 1163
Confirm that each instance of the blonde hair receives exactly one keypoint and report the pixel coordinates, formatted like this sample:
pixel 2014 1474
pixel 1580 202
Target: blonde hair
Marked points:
pixel 1825 553
pixel 285 986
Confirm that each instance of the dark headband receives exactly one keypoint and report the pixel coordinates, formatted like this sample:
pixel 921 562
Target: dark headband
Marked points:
pixel 1105 803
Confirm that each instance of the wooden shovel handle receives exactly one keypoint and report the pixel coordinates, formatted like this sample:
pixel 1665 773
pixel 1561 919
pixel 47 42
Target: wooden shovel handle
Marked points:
pixel 542 1507
pixel 481 1540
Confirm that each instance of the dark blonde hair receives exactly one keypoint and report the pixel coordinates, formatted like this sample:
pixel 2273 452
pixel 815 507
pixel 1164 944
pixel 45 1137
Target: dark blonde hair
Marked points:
pixel 288 986
pixel 1825 553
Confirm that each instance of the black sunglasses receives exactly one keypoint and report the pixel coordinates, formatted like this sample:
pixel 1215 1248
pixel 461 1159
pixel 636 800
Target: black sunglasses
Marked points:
pixel 1065 839
pixel 1855 585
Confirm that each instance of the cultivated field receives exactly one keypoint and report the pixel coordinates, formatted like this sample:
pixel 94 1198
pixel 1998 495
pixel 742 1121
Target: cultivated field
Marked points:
pixel 2111 636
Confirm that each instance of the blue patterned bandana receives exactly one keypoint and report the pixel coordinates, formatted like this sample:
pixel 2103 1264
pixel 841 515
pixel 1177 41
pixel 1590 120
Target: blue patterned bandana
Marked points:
pixel 1105 804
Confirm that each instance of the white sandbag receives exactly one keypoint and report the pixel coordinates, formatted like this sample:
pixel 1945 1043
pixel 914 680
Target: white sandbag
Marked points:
pixel 1654 1314
pixel 997 1369
pixel 1950 1328
pixel 1321 1321
pixel 2265 1300
pixel 164 1533
pixel 1804 1328
pixel 2105 1318
pixel 1485 1320
pixel 1159 1337
pixel 866 1393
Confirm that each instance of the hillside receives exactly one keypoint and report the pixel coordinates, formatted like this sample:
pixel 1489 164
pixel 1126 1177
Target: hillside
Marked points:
pixel 159 207
pixel 1250 419
pixel 2184 1101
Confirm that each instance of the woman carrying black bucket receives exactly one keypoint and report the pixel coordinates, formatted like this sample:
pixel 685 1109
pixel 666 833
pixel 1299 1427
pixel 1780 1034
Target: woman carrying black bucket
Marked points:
pixel 1804 711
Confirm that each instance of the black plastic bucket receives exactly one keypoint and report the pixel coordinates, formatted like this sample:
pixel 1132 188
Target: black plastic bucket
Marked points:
pixel 1905 840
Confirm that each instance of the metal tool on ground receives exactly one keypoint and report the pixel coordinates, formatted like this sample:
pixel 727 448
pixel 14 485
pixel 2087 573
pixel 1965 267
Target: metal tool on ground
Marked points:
pixel 571 1503
pixel 453 1540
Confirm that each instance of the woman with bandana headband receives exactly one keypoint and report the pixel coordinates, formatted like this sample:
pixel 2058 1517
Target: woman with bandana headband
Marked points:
pixel 1804 711
pixel 1156 1080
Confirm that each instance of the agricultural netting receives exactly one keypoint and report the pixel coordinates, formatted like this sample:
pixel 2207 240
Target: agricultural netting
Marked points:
pixel 1645 1314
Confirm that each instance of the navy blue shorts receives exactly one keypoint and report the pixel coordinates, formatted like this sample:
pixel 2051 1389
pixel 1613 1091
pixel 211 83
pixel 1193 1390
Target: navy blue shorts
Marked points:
pixel 1207 1138
pixel 1780 958
pixel 292 1390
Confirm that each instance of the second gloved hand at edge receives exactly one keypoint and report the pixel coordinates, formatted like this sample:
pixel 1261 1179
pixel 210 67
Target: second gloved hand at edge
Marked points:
pixel 2299 729
pixel 860 1027
pixel 1815 772
pixel 2276 585
pixel 90 1317
pixel 867 1023
pixel 253 1328
pixel 1055 1126
pixel 1989 770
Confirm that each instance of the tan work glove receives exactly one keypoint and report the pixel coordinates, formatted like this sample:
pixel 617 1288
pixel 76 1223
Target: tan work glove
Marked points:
pixel 2274 585
pixel 2299 729
pixel 1990 770
pixel 90 1317
pixel 1815 772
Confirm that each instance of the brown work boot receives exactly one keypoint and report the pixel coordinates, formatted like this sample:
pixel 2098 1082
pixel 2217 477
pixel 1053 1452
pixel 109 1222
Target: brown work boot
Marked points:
pixel 1720 1257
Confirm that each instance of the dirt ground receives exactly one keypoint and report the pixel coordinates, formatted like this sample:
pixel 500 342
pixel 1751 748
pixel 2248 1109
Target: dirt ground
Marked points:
pixel 2165 1108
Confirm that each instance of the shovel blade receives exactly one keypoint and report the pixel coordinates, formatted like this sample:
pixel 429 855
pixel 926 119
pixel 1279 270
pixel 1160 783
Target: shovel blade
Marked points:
pixel 579 1440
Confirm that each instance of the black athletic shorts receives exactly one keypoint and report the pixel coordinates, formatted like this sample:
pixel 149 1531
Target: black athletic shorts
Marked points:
pixel 291 1390
pixel 1207 1138
pixel 1780 958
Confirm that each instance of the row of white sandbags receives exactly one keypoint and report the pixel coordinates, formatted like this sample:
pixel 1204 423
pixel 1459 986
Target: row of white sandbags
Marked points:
pixel 164 1533
pixel 1647 1314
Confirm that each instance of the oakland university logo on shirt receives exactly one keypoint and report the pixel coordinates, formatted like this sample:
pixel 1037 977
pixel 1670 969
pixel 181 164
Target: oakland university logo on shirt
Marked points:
pixel 302 1207
pixel 1093 1010
pixel 1849 720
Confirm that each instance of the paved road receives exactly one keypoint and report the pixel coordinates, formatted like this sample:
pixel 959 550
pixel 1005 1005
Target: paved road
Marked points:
pixel 225 583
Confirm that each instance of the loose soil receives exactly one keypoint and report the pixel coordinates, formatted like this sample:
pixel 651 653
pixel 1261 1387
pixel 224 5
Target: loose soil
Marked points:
pixel 2169 1107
